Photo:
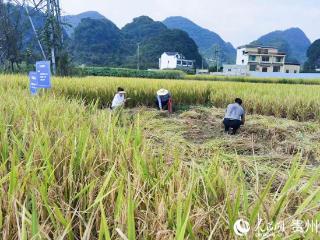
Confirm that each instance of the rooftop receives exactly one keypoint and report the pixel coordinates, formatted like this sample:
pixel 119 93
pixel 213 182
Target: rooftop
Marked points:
pixel 274 54
pixel 172 53
pixel 291 63
pixel 255 46
pixel 180 56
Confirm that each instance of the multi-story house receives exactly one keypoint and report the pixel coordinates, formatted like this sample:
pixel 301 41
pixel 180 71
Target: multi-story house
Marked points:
pixel 261 59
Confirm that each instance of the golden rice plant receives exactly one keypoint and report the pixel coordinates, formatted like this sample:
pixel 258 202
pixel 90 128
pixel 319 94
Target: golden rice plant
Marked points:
pixel 69 170
pixel 297 102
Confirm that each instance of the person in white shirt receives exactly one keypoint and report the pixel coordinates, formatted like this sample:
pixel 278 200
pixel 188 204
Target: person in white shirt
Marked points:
pixel 119 99
pixel 234 117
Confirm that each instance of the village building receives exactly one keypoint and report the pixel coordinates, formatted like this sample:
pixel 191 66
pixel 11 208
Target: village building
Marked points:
pixel 261 59
pixel 235 70
pixel 253 58
pixel 292 68
pixel 174 60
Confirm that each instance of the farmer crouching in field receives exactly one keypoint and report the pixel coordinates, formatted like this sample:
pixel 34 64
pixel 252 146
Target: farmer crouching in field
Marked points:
pixel 119 99
pixel 164 100
pixel 235 117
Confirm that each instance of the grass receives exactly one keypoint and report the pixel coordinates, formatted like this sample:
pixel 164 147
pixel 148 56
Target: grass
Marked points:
pixel 176 74
pixel 126 72
pixel 71 170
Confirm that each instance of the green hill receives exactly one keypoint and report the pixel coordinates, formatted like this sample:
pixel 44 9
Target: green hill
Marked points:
pixel 93 40
pixel 155 38
pixel 99 42
pixel 293 41
pixel 72 21
pixel 208 42
pixel 313 54
pixel 142 28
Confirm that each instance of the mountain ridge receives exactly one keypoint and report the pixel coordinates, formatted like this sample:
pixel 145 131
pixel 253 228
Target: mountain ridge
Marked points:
pixel 207 40
pixel 151 35
pixel 72 21
pixel 292 41
pixel 100 42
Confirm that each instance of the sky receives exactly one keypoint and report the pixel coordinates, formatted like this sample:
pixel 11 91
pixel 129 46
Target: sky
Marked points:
pixel 236 21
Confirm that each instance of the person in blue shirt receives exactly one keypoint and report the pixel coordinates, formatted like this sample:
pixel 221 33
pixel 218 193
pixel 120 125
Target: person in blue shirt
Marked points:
pixel 163 99
pixel 234 117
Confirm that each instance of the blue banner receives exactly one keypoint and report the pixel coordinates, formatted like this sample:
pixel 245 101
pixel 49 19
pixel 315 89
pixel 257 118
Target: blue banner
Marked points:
pixel 43 74
pixel 33 83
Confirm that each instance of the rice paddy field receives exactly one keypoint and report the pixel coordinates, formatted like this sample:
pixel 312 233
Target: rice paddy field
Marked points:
pixel 72 169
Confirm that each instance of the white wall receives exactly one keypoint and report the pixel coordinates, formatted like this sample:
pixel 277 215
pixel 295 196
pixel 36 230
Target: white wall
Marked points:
pixel 292 68
pixel 168 62
pixel 235 70
pixel 241 56
pixel 285 75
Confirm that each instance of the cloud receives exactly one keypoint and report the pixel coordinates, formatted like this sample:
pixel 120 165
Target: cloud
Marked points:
pixel 236 21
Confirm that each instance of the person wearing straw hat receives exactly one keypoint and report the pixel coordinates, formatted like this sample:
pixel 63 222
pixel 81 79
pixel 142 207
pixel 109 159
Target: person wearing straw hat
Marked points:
pixel 164 101
pixel 119 99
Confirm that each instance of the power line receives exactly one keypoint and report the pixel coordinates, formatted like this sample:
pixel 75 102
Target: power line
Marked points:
pixel 24 4
pixel 35 31
pixel 53 17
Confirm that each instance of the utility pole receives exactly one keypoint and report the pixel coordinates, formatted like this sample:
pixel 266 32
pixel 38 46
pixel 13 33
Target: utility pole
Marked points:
pixel 50 16
pixel 54 26
pixel 217 56
pixel 138 56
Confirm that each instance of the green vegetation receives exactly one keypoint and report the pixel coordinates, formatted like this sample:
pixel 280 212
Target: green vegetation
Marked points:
pixel 125 72
pixel 19 48
pixel 74 20
pixel 313 55
pixel 94 42
pixel 98 42
pixel 70 170
pixel 176 74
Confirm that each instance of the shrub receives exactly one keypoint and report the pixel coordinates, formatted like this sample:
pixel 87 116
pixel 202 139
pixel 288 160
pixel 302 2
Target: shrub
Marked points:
pixel 125 72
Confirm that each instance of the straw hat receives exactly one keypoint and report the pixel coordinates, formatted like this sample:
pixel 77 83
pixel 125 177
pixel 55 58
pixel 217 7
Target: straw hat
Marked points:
pixel 162 92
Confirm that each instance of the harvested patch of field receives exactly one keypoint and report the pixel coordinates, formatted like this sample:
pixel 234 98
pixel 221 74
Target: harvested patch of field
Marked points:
pixel 261 136
pixel 265 144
